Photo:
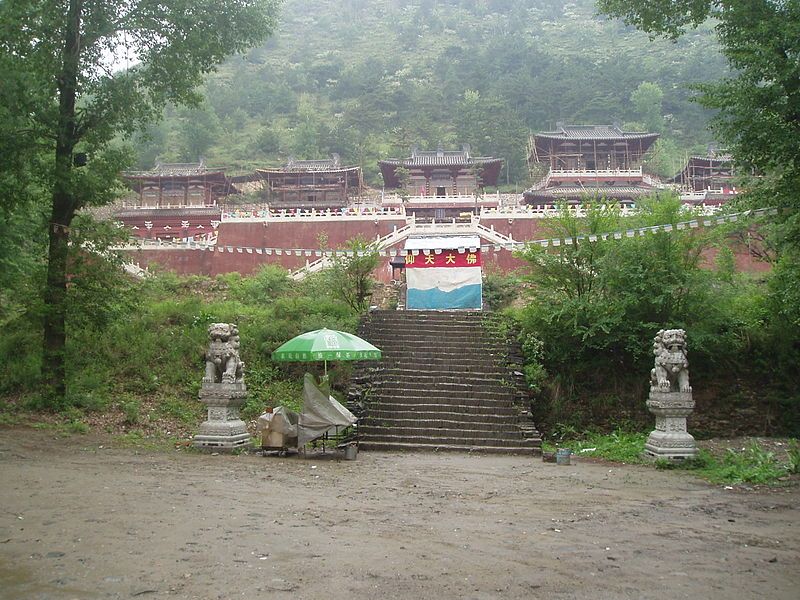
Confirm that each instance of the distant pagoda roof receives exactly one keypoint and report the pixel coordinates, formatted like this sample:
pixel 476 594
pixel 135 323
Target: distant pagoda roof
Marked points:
pixel 322 165
pixel 594 132
pixel 490 167
pixel 177 171
pixel 582 192
pixel 440 157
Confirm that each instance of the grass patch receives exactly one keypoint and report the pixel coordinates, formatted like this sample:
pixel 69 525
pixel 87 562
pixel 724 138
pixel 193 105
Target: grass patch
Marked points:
pixel 76 427
pixel 186 410
pixel 753 464
pixel 8 419
pixel 136 438
pixel 618 446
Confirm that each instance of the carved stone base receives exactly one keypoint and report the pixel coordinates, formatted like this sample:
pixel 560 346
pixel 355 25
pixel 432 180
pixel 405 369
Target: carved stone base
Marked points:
pixel 670 439
pixel 224 429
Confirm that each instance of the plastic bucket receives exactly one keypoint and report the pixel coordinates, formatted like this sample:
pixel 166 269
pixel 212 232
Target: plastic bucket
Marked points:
pixel 562 456
pixel 350 451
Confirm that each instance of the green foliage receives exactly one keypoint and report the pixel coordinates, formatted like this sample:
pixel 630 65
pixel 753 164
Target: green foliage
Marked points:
pixel 647 100
pixel 794 457
pixel 186 410
pixel 131 408
pixel 499 291
pixel 756 108
pixel 618 446
pixel 594 306
pixel 351 277
pixel 147 346
pixel 752 464
pixel 69 99
pixel 369 80
pixel 78 427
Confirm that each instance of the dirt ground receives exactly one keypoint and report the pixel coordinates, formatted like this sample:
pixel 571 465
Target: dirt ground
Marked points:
pixel 82 519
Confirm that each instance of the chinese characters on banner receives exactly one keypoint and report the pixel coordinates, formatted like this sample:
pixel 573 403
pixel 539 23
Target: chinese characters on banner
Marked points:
pixel 445 258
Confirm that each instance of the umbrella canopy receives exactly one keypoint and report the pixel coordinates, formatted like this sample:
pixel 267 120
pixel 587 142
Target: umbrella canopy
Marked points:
pixel 326 344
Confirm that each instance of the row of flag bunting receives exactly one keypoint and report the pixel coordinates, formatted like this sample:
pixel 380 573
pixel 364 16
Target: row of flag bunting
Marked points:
pixel 512 245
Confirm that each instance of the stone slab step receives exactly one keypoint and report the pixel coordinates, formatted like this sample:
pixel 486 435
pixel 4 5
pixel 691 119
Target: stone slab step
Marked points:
pixel 439 428
pixel 442 382
pixel 485 390
pixel 404 399
pixel 423 412
pixel 405 446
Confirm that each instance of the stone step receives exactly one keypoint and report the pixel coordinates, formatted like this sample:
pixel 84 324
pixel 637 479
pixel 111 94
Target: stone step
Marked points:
pixel 426 412
pixel 394 359
pixel 488 440
pixel 445 381
pixel 387 446
pixel 428 332
pixel 453 354
pixel 467 426
pixel 401 399
pixel 416 332
pixel 429 384
pixel 441 379
pixel 431 315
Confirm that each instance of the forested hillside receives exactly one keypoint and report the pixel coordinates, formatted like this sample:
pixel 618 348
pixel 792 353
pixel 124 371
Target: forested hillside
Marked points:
pixel 368 79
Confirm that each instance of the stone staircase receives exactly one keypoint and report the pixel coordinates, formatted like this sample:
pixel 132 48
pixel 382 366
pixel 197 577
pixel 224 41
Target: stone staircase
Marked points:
pixel 447 381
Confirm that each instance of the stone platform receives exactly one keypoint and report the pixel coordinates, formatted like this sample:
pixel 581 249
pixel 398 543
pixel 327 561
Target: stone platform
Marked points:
pixel 224 428
pixel 669 439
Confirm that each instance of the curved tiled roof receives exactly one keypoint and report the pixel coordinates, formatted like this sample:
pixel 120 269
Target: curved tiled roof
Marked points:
pixel 596 132
pixel 434 159
pixel 577 192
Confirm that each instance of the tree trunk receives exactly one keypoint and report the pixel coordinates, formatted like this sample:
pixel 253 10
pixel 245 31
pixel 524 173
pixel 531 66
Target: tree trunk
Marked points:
pixel 64 206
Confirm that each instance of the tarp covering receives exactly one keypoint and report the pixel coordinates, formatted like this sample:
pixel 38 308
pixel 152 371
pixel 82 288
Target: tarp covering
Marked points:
pixel 278 429
pixel 321 413
pixel 443 288
pixel 443 273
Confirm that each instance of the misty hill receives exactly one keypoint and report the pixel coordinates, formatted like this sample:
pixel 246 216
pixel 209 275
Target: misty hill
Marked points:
pixel 367 79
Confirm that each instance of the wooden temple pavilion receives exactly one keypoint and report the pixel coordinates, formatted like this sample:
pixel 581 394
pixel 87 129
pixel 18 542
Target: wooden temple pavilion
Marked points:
pixel 596 161
pixel 306 184
pixel 708 179
pixel 175 201
pixel 442 172
pixel 179 185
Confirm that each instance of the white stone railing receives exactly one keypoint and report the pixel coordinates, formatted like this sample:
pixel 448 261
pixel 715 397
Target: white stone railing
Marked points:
pixel 595 173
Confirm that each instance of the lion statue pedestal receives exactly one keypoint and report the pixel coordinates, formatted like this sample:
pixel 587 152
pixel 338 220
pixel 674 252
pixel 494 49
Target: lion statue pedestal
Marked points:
pixel 670 399
pixel 223 391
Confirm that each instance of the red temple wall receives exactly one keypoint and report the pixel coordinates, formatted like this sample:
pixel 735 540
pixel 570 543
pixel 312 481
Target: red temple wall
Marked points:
pixel 305 235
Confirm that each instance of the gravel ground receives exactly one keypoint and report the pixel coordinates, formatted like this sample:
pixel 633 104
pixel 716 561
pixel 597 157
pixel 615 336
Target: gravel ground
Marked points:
pixel 80 518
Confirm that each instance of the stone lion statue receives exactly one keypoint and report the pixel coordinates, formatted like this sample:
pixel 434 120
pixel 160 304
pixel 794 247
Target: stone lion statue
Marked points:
pixel 671 371
pixel 223 364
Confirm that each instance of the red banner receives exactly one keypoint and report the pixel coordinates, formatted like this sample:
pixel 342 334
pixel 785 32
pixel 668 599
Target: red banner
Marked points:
pixel 445 258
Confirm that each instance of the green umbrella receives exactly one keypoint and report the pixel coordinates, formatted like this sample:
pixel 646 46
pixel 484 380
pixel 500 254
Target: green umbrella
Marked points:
pixel 325 345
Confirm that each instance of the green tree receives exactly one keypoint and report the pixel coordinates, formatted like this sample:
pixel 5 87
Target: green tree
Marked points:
pixel 759 106
pixel 758 119
pixel 647 100
pixel 404 177
pixel 72 98
pixel 198 129
pixel 351 274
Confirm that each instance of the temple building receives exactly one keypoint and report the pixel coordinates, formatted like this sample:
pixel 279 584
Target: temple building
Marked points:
pixel 175 201
pixel 179 185
pixel 596 162
pixel 442 172
pixel 307 184
pixel 707 179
